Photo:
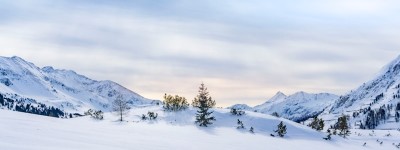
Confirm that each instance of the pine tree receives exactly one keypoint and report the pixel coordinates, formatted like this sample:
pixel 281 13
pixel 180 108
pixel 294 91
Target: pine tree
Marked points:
pixel 343 126
pixel 281 131
pixel 203 102
pixel 321 125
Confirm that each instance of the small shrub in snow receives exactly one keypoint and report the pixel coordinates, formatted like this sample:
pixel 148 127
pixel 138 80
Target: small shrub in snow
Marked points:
pixel 240 124
pixel 88 112
pixel 144 117
pixel 328 137
pixel 237 112
pixel 251 130
pixel 175 103
pixel 150 116
pixel 95 114
pixel 281 131
pixel 98 115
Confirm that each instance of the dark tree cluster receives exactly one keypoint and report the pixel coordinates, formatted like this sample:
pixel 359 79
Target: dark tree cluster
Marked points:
pixel 237 112
pixel 375 117
pixel 31 106
pixel 317 124
pixel 378 97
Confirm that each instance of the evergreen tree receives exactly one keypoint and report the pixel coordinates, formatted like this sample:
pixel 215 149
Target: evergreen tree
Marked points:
pixel 317 124
pixel 321 125
pixel 343 126
pixel 281 131
pixel 203 102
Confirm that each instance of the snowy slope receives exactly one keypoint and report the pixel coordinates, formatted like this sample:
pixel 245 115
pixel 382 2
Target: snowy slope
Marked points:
pixel 64 89
pixel 297 107
pixel 377 93
pixel 171 131
pixel 385 82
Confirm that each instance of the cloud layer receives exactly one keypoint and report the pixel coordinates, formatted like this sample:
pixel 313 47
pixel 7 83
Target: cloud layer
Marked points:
pixel 244 51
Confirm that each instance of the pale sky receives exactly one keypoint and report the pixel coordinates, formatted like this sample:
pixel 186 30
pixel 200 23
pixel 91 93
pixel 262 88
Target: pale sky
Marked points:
pixel 244 51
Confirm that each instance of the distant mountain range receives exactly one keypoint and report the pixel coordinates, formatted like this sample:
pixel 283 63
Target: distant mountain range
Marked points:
pixel 296 107
pixel 52 92
pixel 375 104
pixel 63 89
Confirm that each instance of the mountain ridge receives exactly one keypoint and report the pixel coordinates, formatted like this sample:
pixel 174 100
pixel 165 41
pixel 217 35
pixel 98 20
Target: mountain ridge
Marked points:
pixel 61 88
pixel 296 107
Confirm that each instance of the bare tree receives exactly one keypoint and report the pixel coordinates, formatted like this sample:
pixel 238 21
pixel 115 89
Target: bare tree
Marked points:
pixel 121 107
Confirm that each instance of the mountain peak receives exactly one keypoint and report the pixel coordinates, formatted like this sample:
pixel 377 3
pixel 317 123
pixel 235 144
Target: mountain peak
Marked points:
pixel 278 95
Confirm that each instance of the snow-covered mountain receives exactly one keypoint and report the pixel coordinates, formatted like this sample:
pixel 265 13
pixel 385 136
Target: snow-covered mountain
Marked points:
pixel 296 107
pixel 378 97
pixel 64 89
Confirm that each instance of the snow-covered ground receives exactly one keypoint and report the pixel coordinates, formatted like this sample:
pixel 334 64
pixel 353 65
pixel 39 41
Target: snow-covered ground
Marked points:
pixel 22 131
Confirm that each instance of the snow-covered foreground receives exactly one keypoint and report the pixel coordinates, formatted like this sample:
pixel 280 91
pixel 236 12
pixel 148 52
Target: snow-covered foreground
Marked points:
pixel 21 131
